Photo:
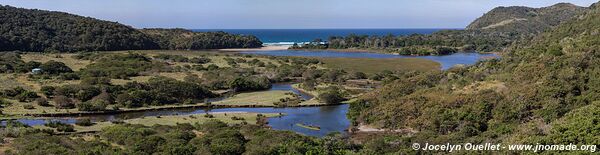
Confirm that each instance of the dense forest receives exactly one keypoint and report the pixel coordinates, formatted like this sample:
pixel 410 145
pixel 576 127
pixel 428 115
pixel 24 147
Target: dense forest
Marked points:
pixel 492 32
pixel 544 90
pixel 181 39
pixel 48 31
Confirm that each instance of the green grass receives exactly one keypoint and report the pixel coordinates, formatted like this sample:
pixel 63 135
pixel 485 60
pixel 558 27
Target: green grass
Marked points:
pixel 262 98
pixel 68 59
pixel 370 65
pixel 308 127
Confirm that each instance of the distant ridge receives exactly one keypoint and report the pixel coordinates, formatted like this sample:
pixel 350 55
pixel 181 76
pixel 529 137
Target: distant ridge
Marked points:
pixel 493 32
pixel 525 19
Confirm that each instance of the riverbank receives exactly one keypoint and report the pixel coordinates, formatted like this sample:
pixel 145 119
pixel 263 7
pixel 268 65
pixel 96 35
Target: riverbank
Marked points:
pixel 242 100
pixel 227 117
pixel 264 48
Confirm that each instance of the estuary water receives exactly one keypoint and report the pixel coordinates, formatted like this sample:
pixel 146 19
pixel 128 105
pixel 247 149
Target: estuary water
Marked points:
pixel 446 61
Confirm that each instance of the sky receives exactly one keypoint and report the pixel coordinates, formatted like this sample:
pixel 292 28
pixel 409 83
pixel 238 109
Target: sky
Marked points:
pixel 284 14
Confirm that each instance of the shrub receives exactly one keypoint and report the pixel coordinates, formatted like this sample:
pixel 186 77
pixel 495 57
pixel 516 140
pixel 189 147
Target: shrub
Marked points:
pixel 26 96
pixel 84 122
pixel 69 76
pixel 48 90
pixel 95 81
pixel 92 105
pixel 55 68
pixel 250 84
pixel 42 102
pixel 14 91
pixel 331 96
pixel 237 118
pixel 360 75
pixel 200 60
pixel 28 106
pixel 212 67
pixel 63 102
pixel 60 126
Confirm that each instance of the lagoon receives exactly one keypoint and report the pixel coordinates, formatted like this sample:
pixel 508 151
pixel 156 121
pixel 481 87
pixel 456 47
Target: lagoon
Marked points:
pixel 446 61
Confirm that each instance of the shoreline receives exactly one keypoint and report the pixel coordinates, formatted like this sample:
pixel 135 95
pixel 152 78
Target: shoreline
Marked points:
pixel 111 112
pixel 264 48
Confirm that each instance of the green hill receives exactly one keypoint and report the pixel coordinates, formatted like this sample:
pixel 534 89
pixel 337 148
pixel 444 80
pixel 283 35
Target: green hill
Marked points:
pixel 544 90
pixel 38 30
pixel 525 20
pixel 35 30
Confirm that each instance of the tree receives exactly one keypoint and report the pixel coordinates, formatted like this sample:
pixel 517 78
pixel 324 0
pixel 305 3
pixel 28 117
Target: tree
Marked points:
pixel 54 68
pixel 331 96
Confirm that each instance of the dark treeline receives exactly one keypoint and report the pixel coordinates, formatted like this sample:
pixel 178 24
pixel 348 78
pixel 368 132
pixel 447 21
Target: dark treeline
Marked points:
pixel 439 43
pixel 181 39
pixel 492 32
pixel 49 31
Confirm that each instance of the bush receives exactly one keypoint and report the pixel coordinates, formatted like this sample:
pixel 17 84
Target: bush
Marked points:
pixel 360 75
pixel 250 84
pixel 60 126
pixel 63 102
pixel 200 60
pixel 27 96
pixel 28 106
pixel 48 90
pixel 69 76
pixel 42 102
pixel 54 68
pixel 95 81
pixel 331 96
pixel 14 91
pixel 84 122
pixel 212 67
pixel 92 105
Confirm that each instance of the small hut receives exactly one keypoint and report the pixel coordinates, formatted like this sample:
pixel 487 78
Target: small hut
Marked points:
pixel 36 71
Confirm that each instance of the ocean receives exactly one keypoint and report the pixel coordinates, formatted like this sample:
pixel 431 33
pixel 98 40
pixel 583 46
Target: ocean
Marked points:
pixel 290 36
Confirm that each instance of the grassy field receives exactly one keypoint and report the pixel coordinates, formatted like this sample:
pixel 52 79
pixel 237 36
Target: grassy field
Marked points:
pixel 262 98
pixel 68 59
pixel 370 66
pixel 249 118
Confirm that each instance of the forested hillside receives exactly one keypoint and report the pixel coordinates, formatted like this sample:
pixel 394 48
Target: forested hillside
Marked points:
pixel 49 31
pixel 181 39
pixel 492 32
pixel 545 90
pixel 38 30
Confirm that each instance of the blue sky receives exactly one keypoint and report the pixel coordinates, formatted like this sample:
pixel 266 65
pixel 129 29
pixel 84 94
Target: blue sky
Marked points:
pixel 284 14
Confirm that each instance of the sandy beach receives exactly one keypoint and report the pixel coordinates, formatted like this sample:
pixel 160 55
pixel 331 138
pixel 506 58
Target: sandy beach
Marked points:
pixel 265 48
